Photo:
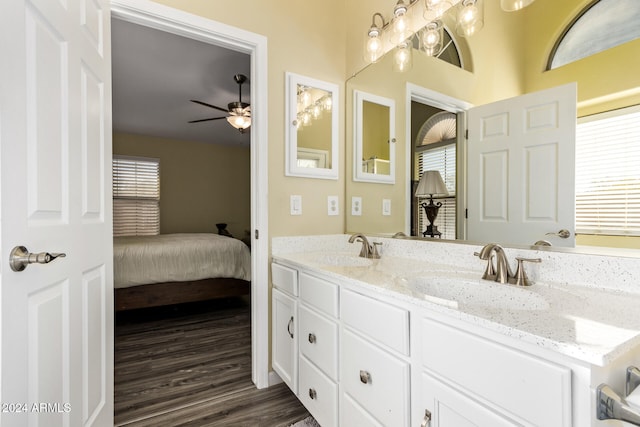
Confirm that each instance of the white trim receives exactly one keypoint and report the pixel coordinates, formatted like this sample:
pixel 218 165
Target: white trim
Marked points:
pixel 447 103
pixel 274 378
pixel 154 15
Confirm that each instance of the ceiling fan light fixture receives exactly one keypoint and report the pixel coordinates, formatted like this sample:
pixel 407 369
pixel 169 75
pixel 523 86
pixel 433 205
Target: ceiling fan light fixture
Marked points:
pixel 239 122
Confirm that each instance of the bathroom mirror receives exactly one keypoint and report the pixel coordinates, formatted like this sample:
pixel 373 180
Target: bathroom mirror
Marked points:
pixel 374 138
pixel 479 82
pixel 311 128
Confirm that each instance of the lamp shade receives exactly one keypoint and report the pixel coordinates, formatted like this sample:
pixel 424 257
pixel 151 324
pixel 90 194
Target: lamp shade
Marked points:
pixel 431 184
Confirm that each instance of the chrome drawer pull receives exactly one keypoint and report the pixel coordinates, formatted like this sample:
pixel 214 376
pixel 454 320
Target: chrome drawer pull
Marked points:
pixel 426 421
pixel 365 377
pixel 289 327
pixel 312 338
pixel 312 394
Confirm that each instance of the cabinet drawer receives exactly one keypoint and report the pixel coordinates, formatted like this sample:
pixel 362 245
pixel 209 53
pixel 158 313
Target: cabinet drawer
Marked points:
pixel 377 380
pixel 319 341
pixel 318 394
pixel 352 414
pixel 284 278
pixel 537 390
pixel 319 294
pixel 381 321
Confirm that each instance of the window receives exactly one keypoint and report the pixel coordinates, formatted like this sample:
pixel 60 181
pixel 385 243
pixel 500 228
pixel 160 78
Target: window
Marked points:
pixel 442 159
pixel 604 24
pixel 136 196
pixel 608 173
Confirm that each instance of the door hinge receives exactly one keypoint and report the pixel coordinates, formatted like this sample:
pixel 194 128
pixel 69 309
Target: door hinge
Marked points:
pixel 466 134
pixel 466 213
pixel 257 234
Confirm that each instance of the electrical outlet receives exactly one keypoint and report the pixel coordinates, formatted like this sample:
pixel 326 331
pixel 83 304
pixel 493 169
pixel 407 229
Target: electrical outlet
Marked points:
pixel 333 207
pixel 386 207
pixel 296 205
pixel 356 206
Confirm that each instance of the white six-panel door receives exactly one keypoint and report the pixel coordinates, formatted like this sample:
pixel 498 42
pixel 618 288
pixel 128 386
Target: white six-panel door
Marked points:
pixel 55 167
pixel 521 155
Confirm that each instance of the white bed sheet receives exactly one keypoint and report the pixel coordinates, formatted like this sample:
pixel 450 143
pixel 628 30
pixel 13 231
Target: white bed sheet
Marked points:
pixel 141 260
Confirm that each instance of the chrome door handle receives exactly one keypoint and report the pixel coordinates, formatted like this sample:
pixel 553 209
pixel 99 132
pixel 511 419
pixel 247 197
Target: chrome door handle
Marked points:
pixel 20 258
pixel 563 234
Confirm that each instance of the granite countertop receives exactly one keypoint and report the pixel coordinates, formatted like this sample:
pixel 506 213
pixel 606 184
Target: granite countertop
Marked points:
pixel 589 324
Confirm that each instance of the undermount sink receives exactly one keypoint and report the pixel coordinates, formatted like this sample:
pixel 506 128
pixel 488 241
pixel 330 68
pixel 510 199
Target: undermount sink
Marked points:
pixel 452 291
pixel 343 260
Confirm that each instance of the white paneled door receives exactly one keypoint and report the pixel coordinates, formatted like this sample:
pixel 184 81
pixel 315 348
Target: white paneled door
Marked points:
pixel 55 171
pixel 521 153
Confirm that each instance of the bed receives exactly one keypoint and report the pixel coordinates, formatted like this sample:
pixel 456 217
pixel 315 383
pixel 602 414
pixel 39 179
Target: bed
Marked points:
pixel 167 269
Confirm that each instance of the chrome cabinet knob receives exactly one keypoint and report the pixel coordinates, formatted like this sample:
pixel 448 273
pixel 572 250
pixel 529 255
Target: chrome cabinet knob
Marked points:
pixel 312 338
pixel 365 377
pixel 426 421
pixel 289 327
pixel 312 394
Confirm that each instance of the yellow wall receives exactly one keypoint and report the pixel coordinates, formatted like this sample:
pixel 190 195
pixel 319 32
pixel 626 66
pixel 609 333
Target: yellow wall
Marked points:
pixel 200 184
pixel 606 80
pixel 306 38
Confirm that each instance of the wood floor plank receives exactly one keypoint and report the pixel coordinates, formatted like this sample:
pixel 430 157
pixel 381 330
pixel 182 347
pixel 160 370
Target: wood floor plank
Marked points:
pixel 191 365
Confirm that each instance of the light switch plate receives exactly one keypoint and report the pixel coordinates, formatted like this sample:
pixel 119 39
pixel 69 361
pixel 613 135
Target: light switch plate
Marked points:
pixel 333 207
pixel 356 206
pixel 296 205
pixel 386 207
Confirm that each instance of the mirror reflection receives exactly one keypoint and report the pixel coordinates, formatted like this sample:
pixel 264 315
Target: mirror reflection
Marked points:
pixel 311 128
pixel 374 138
pixel 490 70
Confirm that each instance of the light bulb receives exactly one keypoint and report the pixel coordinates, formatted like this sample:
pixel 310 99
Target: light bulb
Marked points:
pixel 470 18
pixel 305 98
pixel 316 111
pixel 402 57
pixel 400 23
pixel 431 38
pixel 373 49
pixel 328 103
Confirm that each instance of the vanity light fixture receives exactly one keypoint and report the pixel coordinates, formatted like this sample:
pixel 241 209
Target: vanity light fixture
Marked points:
pixel 400 23
pixel 403 57
pixel 437 8
pixel 513 5
pixel 470 18
pixel 431 184
pixel 373 45
pixel 431 37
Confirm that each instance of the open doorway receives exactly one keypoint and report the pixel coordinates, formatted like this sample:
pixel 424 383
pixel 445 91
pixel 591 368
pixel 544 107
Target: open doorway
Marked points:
pixel 253 47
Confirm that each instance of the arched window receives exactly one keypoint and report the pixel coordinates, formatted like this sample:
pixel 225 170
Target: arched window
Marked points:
pixel 600 26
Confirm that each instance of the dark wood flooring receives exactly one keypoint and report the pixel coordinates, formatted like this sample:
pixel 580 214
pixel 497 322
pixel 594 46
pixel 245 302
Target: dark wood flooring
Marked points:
pixel 190 365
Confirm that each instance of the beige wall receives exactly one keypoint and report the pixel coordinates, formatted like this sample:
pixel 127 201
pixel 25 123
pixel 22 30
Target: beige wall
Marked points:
pixel 200 184
pixel 306 38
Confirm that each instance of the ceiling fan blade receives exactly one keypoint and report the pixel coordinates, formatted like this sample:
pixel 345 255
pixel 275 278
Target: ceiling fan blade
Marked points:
pixel 210 106
pixel 206 120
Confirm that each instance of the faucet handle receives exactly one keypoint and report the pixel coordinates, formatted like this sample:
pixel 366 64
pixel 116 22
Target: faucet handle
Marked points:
pixel 374 250
pixel 490 271
pixel 521 275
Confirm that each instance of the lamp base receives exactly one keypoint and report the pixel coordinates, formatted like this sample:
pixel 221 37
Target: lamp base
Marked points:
pixel 431 211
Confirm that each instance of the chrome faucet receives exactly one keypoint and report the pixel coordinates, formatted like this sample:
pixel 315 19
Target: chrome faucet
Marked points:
pixel 368 250
pixel 501 272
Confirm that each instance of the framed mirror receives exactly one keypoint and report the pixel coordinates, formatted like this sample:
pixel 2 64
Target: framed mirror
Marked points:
pixel 374 138
pixel 311 128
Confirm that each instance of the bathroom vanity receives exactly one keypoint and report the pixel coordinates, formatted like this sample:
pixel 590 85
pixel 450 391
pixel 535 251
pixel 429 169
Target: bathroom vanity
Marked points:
pixel 416 338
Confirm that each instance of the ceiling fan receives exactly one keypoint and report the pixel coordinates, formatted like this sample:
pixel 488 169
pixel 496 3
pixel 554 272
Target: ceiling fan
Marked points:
pixel 239 112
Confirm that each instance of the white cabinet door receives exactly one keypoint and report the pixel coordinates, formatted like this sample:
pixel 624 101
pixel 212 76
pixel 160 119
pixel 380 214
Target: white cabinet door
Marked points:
pixel 450 408
pixel 521 168
pixel 55 150
pixel 285 339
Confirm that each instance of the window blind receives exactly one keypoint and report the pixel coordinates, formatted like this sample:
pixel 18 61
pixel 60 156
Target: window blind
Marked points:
pixel 608 173
pixel 136 196
pixel 442 159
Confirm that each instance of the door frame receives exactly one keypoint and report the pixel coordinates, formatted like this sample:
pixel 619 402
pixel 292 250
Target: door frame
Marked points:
pixel 164 18
pixel 444 102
